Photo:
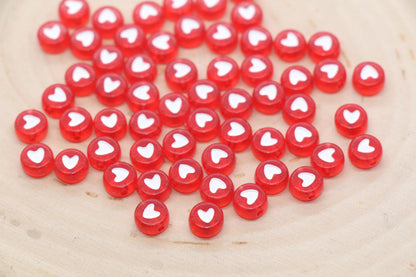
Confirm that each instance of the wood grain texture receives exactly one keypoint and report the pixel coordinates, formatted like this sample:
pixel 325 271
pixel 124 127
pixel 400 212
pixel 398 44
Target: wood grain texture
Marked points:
pixel 364 224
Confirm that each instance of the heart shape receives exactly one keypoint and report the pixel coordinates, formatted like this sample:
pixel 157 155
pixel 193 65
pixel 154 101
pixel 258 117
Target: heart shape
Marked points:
pixel 31 121
pixel 223 68
pixel 331 70
pixel 161 42
pixel 104 148
pixel 36 156
pixel 325 42
pixel 142 92
pixel 184 170
pixel 201 119
pixel 139 65
pixel 217 155
pixel 222 33
pixel 120 174
pixel 107 57
pixel 188 25
pixel 80 73
pixel 181 70
pixel 215 184
pixel 109 121
pixel 203 90
pixel 58 96
pixel 52 32
pixel 251 195
pixel 179 141
pixel 247 12
pixel 143 122
pixel 174 106
pixel 267 140
pixel 146 11
pixel 236 129
pixel 150 213
pixel 326 155
pixel 368 71
pixel 299 104
pixel 176 4
pixel 365 147
pixel 291 40
pixel 153 183
pixel 107 15
pixel 110 85
pixel 255 36
pixel 75 119
pixel 270 91
pixel 86 38
pixel 257 66
pixel 235 99
pixel 270 170
pixel 73 6
pixel 206 216
pixel 351 117
pixel 70 163
pixel 296 76
pixel 146 151
pixel 307 178
pixel 130 34
pixel 301 133
pixel 211 3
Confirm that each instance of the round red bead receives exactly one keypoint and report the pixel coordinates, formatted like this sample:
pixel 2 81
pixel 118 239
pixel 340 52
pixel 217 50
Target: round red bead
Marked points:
pixel 268 97
pixel 306 184
pixel 71 166
pixel 204 94
pixel 179 144
pixel 154 184
pixel 297 79
pixel 268 143
pixel 111 89
pixel 108 59
pixel 206 220
pixel 120 179
pixel 130 39
pixel 56 99
pixel 351 120
pixel 149 16
pixel 217 188
pixel 329 75
pixel 180 74
pixel 224 72
pixel 31 126
pixel 143 96
pixel 272 176
pixel 323 45
pixel 250 201
pixel 151 217
pixel 236 102
pixel 76 124
pixel 256 69
pixel 221 38
pixel 190 31
pixel 106 20
pixel 53 37
pixel 301 139
pixel 37 160
pixel 290 45
pixel 246 14
pixel 84 42
pixel 146 154
pixel 256 40
pixel 365 151
pixel 102 152
pixel 299 108
pixel 368 78
pixel 74 13
pixel 173 109
pixel 218 158
pixel 236 133
pixel 145 124
pixel 185 175
pixel 140 68
pixel 328 159
pixel 209 9
pixel 162 47
pixel 110 122
pixel 81 78
pixel 204 124
pixel 174 9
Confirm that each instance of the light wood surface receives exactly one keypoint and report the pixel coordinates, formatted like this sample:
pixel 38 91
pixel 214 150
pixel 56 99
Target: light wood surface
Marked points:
pixel 364 224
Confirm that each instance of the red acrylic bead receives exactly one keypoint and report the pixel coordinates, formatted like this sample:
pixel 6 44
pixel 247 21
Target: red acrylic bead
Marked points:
pixel 246 14
pixel 218 158
pixel 328 159
pixel 204 124
pixel 365 151
pixel 217 188
pixel 204 94
pixel 102 152
pixel 221 38
pixel 151 217
pixel 130 39
pixel 110 122
pixel 120 179
pixel 145 124
pixel 180 74
pixel 306 184
pixel 256 40
pixel 37 160
pixel 139 68
pixel 190 31
pixel 111 89
pixel 174 9
pixel 162 47
pixel 185 175
pixel 108 59
pixel 173 109
pixel 236 133
pixel 71 166
pixel 106 20
pixel 56 99
pixel 301 139
pixel 154 184
pixel 146 154
pixel 74 13
pixel 84 42
pixel 53 37
pixel 210 9
pixel 268 143
pixel 149 16
pixel 256 69
pixel 323 45
pixel 179 144
pixel 250 201
pixel 290 45
pixel 299 108
pixel 351 120
pixel 206 220
pixel 224 72
pixel 31 126
pixel 329 75
pixel 236 102
pixel 143 96
pixel 272 176
pixel 368 78
pixel 76 124
pixel 297 79
pixel 81 78
pixel 268 97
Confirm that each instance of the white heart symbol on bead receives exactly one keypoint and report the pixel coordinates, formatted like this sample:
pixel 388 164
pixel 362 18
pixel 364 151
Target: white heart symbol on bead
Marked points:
pixel 184 170
pixel 235 99
pixel 270 170
pixel 267 140
pixel 142 92
pixel 326 155
pixel 120 174
pixel 296 76
pixel 107 57
pixel 153 183
pixel 146 11
pixel 130 34
pixel 223 68
pixel 211 3
pixel 270 91
pixel 331 70
pixel 206 216
pixel 80 73
pixel 179 141
pixel 110 85
pixel 86 38
pixel 53 32
pixel 107 15
pixel 36 156
pixel 257 66
pixel 236 129
pixel 217 155
pixel 203 90
pixel 58 96
pixel 146 151
pixel 109 121
pixel 73 6
pixel 161 42
pixel 247 12
pixel 299 104
pixel 139 65
pixel 150 213
pixel 181 70
pixel 325 42
pixel 351 117
pixel 143 122
pixel 188 25
pixel 368 71
pixel 201 119
pixel 174 106
pixel 222 33
pixel 291 40
pixel 251 195
pixel 307 178
pixel 76 119
pixel 31 121
pixel 254 37
pixel 70 163
pixel 215 184
pixel 301 133
pixel 104 148
pixel 176 4
pixel 365 147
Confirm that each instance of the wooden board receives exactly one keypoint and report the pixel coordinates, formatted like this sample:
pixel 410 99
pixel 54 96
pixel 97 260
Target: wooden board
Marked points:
pixel 363 224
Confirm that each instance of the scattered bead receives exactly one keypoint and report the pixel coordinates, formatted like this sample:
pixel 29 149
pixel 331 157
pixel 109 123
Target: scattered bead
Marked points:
pixel 206 220
pixel 306 184
pixel 328 159
pixel 110 122
pixel 179 144
pixel 224 72
pixel 162 47
pixel 111 89
pixel 299 108
pixel 351 120
pixel 84 43
pixel 174 9
pixel 81 78
pixel 31 126
pixel 272 176
pixel 218 158
pixel 246 14
pixel 365 151
pixel 120 179
pixel 71 166
pixel 256 69
pixel 108 59
pixel 268 143
pixel 173 109
pixel 37 160
pixel 143 96
pixel 146 154
pixel 103 152
pixel 151 217
pixel 204 94
pixel 130 39
pixel 140 68
pixel 154 184
pixel 329 75
pixel 236 102
pixel 53 37
pixel 290 45
pixel 190 31
pixel 106 20
pixel 204 124
pixel 180 74
pixel 221 38
pixel 301 139
pixel 323 45
pixel 256 41
pixel 145 124
pixel 217 188
pixel 250 201
pixel 185 175
pixel 56 99
pixel 76 124
pixel 149 16
pixel 368 78
pixel 236 133
pixel 268 97
pixel 210 9
pixel 297 79
pixel 74 13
